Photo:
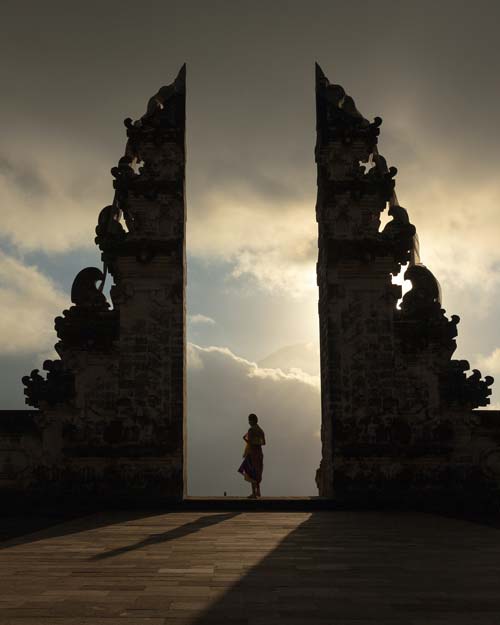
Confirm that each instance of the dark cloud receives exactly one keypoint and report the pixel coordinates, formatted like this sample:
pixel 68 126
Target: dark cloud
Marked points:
pixel 241 178
pixel 24 176
pixel 78 71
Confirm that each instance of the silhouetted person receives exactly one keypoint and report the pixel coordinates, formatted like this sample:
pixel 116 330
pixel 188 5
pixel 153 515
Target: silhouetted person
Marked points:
pixel 253 459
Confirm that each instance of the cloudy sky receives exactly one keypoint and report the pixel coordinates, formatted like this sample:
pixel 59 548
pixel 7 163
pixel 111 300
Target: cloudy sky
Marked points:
pixel 72 71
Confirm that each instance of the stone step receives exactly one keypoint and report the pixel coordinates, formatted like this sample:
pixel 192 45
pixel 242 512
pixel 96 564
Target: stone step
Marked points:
pixel 264 504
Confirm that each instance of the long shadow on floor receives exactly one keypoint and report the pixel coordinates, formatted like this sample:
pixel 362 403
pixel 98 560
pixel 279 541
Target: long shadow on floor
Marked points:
pixel 362 567
pixel 178 532
pixel 19 529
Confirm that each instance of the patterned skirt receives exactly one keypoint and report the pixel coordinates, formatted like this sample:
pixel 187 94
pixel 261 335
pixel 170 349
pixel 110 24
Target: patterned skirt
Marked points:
pixel 253 464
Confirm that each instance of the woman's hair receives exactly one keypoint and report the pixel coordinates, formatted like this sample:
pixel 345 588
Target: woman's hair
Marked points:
pixel 252 417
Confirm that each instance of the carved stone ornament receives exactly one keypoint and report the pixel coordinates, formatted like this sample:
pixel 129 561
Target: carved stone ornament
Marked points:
pixel 57 387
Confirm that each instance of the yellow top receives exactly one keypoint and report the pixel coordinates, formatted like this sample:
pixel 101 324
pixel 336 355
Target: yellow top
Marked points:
pixel 254 436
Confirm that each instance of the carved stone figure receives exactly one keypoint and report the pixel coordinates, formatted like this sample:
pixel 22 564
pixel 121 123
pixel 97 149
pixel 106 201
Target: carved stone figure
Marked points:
pixel 159 101
pixel 400 233
pixel 85 292
pixel 109 233
pixel 343 104
pixel 425 294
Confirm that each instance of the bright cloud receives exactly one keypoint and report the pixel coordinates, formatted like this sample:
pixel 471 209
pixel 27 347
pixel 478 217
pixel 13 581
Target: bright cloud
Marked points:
pixel 201 320
pixel 490 364
pixel 269 242
pixel 453 200
pixel 302 356
pixel 223 389
pixel 29 301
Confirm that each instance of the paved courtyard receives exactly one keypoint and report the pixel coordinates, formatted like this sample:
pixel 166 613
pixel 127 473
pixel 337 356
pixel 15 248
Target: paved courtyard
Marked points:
pixel 255 568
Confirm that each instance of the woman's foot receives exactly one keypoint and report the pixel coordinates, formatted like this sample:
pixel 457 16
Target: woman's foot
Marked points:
pixel 252 496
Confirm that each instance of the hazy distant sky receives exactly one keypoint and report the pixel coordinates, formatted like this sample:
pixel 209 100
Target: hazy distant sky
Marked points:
pixel 72 71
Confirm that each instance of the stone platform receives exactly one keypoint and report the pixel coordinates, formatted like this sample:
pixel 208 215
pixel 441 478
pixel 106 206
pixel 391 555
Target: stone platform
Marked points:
pixel 257 568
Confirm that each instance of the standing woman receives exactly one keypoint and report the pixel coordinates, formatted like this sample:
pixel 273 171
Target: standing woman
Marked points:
pixel 253 459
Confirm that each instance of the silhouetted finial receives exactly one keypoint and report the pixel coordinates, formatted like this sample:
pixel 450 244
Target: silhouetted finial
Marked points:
pixel 321 79
pixel 180 80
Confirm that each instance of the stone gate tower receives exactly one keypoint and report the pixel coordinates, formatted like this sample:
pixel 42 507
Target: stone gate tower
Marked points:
pixel 112 410
pixel 397 412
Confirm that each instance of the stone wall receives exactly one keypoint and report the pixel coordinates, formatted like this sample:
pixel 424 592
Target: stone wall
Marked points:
pixel 21 445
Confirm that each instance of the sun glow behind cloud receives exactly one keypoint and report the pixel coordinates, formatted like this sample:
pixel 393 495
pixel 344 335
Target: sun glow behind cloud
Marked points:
pixel 274 247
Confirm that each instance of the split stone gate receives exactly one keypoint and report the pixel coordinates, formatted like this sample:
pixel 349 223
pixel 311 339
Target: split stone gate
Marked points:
pixel 109 416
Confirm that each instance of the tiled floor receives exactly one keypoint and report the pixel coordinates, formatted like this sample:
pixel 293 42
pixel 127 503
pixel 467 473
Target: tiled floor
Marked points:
pixel 256 568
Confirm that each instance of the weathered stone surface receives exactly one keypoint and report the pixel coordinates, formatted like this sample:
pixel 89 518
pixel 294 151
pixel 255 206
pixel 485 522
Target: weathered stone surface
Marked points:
pixel 397 420
pixel 20 447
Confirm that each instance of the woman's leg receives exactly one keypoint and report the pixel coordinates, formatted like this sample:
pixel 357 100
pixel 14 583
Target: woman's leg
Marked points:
pixel 254 490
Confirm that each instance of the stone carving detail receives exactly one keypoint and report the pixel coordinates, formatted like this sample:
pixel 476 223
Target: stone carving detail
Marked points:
pixel 88 324
pixel 85 292
pixel 425 294
pixel 471 391
pixel 57 387
pixel 399 234
pixel 421 320
pixel 337 111
pixel 109 233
